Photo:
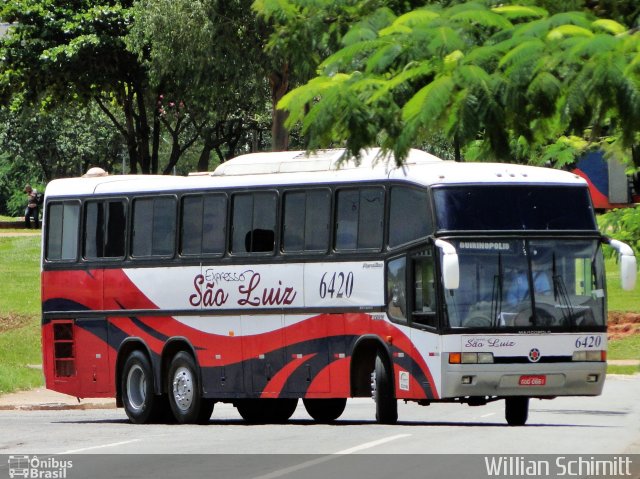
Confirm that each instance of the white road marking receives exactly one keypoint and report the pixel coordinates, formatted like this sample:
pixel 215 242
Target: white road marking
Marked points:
pixel 368 445
pixel 102 446
pixel 331 457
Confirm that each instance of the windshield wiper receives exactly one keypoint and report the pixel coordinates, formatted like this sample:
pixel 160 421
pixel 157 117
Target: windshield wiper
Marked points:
pixel 496 293
pixel 560 290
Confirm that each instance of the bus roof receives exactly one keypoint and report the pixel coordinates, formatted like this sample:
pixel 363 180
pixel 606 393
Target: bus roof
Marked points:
pixel 322 167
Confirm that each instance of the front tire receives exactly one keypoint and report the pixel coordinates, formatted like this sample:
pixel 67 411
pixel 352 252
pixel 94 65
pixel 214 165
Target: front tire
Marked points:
pixel 384 392
pixel 185 398
pixel 325 410
pixel 516 410
pixel 138 397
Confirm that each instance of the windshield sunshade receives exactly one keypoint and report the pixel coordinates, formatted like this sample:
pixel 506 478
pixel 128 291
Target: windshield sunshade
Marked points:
pixel 515 207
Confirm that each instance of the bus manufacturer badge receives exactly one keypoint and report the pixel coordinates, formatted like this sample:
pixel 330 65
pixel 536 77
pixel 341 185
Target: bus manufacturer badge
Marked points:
pixel 534 355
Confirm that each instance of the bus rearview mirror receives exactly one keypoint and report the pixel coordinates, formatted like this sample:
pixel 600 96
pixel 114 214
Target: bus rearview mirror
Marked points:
pixel 450 265
pixel 628 273
pixel 628 267
pixel 450 271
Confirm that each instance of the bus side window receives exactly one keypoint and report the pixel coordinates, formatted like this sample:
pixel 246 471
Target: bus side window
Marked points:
pixel 424 310
pixel 409 215
pixel 204 220
pixel 254 222
pixel 154 225
pixel 104 229
pixel 396 289
pixel 62 231
pixel 306 216
pixel 359 219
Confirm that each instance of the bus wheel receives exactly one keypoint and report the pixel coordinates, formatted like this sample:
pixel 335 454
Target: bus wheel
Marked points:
pixel 383 393
pixel 260 411
pixel 138 397
pixel 516 410
pixel 187 404
pixel 325 410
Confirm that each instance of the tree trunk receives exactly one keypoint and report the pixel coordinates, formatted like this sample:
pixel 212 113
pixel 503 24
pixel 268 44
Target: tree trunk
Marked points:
pixel 143 131
pixel 279 83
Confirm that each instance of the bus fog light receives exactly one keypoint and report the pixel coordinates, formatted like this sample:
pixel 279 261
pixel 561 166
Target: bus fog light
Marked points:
pixel 485 358
pixel 467 379
pixel 469 358
pixel 592 378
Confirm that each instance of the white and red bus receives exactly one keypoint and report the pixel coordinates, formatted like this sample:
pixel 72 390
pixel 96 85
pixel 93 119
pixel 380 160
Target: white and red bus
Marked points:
pixel 282 276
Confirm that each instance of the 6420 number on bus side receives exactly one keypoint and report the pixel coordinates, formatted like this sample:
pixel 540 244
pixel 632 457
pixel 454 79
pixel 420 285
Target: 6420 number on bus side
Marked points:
pixel 336 285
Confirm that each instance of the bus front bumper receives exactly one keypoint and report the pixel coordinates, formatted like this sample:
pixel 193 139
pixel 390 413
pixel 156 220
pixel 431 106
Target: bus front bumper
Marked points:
pixel 533 380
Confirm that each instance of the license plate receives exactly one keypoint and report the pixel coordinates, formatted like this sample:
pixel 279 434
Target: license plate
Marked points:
pixel 532 380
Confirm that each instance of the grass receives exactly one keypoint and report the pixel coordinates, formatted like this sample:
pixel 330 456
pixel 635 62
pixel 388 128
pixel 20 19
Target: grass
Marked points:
pixel 615 369
pixel 619 300
pixel 19 313
pixel 625 348
pixel 20 348
pixel 20 273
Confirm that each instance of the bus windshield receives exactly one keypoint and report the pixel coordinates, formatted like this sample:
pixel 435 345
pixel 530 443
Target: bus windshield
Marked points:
pixel 513 208
pixel 528 284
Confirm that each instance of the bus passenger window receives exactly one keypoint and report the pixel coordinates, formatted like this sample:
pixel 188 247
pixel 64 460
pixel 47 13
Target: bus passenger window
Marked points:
pixel 306 221
pixel 154 223
pixel 254 223
pixel 62 231
pixel 359 222
pixel 396 289
pixel 204 219
pixel 409 216
pixel 104 229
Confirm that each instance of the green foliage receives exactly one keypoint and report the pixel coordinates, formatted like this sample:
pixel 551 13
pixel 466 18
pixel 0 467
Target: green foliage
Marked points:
pixel 622 224
pixel 20 348
pixel 496 82
pixel 625 348
pixel 20 262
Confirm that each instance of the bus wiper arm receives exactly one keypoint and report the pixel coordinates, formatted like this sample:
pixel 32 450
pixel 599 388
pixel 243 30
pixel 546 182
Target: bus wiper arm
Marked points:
pixel 496 293
pixel 560 289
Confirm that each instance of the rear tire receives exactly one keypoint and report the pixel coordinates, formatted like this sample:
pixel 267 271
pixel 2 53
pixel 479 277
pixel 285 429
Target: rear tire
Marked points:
pixel 384 392
pixel 516 410
pixel 137 386
pixel 325 410
pixel 185 397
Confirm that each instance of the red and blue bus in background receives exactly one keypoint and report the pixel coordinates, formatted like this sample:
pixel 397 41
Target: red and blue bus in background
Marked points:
pixel 609 184
pixel 283 276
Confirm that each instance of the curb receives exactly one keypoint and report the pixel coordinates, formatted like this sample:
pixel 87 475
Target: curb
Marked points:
pixel 56 406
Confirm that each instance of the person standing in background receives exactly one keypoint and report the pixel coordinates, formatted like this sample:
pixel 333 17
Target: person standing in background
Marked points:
pixel 32 207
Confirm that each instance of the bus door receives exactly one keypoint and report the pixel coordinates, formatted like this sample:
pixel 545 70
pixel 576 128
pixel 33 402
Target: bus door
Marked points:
pixel 423 316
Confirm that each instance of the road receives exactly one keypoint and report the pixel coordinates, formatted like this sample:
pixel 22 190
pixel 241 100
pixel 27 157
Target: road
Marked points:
pixel 608 424
pixel 441 440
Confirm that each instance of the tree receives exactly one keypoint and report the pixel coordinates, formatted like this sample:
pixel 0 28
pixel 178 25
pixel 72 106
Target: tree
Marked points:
pixel 494 80
pixel 301 34
pixel 206 59
pixel 39 146
pixel 59 52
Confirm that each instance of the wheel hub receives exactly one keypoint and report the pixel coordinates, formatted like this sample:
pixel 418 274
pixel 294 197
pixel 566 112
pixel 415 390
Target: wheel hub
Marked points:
pixel 183 388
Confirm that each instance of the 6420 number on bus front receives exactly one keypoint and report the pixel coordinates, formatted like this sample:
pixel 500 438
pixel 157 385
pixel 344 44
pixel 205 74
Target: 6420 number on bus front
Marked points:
pixel 588 342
